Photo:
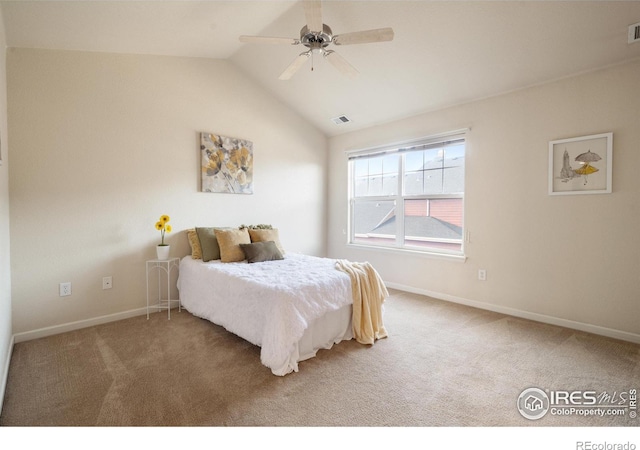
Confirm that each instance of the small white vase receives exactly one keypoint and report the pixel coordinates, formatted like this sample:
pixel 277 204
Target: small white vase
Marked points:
pixel 163 252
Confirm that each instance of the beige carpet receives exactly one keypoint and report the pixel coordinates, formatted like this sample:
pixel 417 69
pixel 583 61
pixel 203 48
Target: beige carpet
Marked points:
pixel 442 365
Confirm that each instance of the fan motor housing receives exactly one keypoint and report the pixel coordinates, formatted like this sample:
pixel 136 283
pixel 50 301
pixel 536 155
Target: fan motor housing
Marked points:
pixel 316 40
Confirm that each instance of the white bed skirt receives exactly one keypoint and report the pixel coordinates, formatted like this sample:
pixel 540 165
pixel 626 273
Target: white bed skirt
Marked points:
pixel 330 329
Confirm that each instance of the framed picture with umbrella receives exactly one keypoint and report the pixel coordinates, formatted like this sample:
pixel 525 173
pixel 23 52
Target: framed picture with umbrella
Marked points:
pixel 581 165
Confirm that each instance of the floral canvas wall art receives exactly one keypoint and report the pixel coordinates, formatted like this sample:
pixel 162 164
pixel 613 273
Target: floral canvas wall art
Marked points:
pixel 227 164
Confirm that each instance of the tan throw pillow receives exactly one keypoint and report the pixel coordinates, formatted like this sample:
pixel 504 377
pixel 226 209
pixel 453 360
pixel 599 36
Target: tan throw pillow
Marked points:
pixel 229 242
pixel 259 235
pixel 209 243
pixel 194 242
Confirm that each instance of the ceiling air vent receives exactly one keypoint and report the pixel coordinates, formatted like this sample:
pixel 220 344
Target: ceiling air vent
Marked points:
pixel 634 33
pixel 340 120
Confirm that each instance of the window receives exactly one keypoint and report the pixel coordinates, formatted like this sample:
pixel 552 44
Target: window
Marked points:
pixel 409 196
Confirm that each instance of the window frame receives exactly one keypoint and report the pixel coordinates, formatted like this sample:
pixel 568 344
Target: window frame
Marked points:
pixel 399 245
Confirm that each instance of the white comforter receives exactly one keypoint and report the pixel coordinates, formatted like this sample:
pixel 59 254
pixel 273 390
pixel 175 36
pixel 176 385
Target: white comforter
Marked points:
pixel 269 304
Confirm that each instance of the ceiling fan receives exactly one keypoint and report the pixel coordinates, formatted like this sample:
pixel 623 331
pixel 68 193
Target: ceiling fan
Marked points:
pixel 317 36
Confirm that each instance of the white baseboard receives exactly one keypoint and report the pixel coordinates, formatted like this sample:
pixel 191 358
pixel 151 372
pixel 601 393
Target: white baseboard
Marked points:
pixel 57 329
pixel 5 373
pixel 589 328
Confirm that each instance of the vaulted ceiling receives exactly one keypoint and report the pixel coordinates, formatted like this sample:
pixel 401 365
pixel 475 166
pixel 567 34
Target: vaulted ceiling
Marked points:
pixel 444 52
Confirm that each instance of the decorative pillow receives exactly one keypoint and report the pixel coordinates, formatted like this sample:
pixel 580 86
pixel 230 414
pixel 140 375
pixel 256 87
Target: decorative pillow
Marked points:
pixel 194 242
pixel 229 242
pixel 262 226
pixel 261 251
pixel 258 235
pixel 210 249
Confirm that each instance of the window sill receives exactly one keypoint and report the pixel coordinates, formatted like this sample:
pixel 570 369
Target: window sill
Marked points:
pixel 406 252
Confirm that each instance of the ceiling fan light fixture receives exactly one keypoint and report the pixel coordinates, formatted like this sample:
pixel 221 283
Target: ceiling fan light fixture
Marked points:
pixel 316 39
pixel 317 36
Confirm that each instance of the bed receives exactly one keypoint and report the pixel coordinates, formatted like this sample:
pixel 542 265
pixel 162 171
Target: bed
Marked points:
pixel 291 308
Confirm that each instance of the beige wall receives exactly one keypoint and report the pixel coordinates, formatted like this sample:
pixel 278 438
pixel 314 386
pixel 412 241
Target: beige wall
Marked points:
pixel 5 272
pixel 573 258
pixel 103 144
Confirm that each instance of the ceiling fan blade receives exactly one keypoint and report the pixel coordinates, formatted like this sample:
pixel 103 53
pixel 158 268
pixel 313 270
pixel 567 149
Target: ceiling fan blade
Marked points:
pixel 364 37
pixel 313 14
pixel 268 40
pixel 295 66
pixel 341 64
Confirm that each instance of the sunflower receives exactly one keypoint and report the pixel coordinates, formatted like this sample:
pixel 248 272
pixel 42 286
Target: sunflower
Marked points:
pixel 163 227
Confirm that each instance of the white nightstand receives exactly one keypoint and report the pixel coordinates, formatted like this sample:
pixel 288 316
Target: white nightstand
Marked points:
pixel 166 266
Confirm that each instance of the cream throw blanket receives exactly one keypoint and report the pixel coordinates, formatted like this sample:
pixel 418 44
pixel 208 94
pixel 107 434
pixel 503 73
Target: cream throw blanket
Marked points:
pixel 369 293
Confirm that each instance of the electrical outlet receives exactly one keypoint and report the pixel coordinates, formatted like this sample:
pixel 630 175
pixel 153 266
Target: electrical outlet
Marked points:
pixel 65 289
pixel 107 283
pixel 482 275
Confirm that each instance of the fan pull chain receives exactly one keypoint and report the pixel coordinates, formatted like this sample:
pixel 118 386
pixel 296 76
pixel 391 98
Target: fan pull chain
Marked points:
pixel 312 61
